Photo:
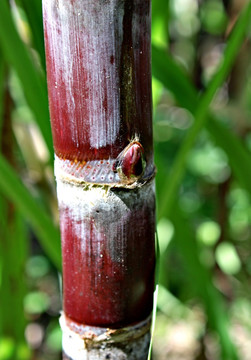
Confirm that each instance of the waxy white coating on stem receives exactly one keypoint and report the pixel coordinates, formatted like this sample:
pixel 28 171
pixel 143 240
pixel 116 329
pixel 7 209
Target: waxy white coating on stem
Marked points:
pixel 89 72
pixel 68 42
pixel 109 211
pixel 129 343
pixel 98 65
pixel 106 207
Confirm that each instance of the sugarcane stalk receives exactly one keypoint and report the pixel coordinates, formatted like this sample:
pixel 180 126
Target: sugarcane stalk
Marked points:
pixel 99 84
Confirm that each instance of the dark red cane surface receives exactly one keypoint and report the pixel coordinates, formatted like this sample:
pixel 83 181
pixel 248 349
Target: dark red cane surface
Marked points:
pixel 131 98
pixel 103 286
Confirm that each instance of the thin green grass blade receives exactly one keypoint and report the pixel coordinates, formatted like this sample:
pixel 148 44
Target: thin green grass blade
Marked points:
pixel 33 83
pixel 33 10
pixel 202 281
pixel 19 254
pixel 2 232
pixel 13 246
pixel 200 114
pixel 173 78
pixel 42 225
pixel 185 94
pixel 2 84
pixel 160 17
pixel 238 156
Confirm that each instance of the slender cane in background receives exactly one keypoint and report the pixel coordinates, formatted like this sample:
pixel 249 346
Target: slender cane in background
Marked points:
pixel 99 82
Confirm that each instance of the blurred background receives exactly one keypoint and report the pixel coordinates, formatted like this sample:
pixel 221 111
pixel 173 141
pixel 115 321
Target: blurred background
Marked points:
pixel 202 109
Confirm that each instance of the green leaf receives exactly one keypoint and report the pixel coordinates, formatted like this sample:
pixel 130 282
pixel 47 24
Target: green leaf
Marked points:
pixel 201 110
pixel 202 281
pixel 173 78
pixel 36 302
pixel 160 17
pixel 33 10
pixel 185 94
pixel 33 82
pixel 2 85
pixel 41 223
pixel 13 254
pixel 238 156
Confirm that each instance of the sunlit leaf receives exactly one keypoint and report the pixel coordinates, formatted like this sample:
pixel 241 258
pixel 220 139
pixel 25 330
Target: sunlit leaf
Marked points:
pixel 42 224
pixel 33 82
pixel 187 97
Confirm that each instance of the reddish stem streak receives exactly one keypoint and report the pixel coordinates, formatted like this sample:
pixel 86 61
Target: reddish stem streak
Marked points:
pixel 123 99
pixel 99 83
pixel 110 283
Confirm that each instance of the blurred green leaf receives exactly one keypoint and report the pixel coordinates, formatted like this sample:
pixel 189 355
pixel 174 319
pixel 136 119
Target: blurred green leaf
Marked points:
pixel 227 258
pixel 170 305
pixel 33 10
pixel 47 233
pixel 54 338
pixel 33 82
pixel 2 85
pixel 13 254
pixel 213 16
pixel 186 95
pixel 209 162
pixel 164 69
pixel 208 233
pixel 37 266
pixel 238 156
pixel 202 281
pixel 7 348
pixel 36 302
pixel 10 350
pixel 165 233
pixel 160 16
pixel 173 78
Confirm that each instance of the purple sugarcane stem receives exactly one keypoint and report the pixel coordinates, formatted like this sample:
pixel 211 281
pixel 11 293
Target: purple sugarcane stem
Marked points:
pixel 99 83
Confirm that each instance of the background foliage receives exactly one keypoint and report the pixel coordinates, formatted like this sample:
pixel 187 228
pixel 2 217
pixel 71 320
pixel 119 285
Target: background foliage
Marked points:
pixel 202 107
